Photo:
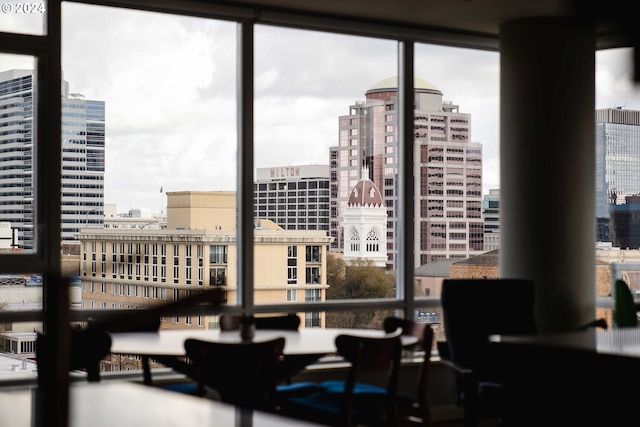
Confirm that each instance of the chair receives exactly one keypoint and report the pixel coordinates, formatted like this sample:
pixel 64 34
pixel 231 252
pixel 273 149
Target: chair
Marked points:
pixel 342 406
pixel 146 321
pixel 243 374
pixel 288 322
pixel 418 410
pixel 88 347
pixel 474 309
pixel 410 410
pixel 291 364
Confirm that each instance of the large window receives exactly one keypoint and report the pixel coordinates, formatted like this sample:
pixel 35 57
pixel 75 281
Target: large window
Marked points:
pixel 163 132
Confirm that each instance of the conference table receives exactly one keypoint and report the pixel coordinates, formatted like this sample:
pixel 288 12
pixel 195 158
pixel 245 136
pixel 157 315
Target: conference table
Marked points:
pixel 126 404
pixel 306 344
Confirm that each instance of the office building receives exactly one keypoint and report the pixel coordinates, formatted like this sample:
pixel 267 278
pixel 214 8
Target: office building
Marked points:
pixel 448 171
pixel 617 178
pixel 83 159
pixel 294 197
pixel 491 217
pixel 134 268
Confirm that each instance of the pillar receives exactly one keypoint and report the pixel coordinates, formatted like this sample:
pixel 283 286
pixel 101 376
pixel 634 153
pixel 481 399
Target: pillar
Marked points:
pixel 547 165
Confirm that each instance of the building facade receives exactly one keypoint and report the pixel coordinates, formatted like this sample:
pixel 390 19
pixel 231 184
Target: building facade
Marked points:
pixel 136 268
pixel 491 217
pixel 294 197
pixel 617 177
pixel 365 223
pixel 447 170
pixel 83 158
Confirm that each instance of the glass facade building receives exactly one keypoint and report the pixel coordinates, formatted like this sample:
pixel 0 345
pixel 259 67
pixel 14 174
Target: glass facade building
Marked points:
pixel 618 177
pixel 83 159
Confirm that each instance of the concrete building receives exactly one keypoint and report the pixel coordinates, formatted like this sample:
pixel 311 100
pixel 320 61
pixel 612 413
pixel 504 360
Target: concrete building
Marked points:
pixel 8 238
pixel 447 165
pixel 83 160
pixel 294 197
pixel 617 140
pixel 135 268
pixel 134 218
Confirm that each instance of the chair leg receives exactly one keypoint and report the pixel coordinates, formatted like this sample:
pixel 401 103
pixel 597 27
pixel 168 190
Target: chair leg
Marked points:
pixel 470 400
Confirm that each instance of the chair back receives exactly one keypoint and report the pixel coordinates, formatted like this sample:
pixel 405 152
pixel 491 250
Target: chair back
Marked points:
pixel 243 374
pixel 425 334
pixel 288 322
pixel 88 347
pixel 474 309
pixel 408 327
pixel 368 354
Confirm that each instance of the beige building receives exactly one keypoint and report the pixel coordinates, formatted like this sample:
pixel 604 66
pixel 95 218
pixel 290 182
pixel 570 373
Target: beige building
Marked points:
pixel 135 268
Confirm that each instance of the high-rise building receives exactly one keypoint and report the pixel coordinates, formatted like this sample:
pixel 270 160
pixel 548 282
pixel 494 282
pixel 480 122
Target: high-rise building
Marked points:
pixel 294 197
pixel 618 177
pixel 491 215
pixel 83 164
pixel 448 171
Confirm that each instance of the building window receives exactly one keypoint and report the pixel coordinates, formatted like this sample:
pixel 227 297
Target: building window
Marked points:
pixel 292 265
pixel 217 254
pixel 372 244
pixel 217 276
pixel 312 275
pixel 313 253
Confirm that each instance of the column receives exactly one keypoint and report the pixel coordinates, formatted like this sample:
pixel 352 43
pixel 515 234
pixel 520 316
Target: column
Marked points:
pixel 547 165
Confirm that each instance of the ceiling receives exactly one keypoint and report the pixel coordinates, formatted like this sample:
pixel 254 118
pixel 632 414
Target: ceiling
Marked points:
pixel 482 17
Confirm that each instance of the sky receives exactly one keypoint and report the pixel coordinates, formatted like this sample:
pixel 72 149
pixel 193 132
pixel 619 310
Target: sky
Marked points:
pixel 169 89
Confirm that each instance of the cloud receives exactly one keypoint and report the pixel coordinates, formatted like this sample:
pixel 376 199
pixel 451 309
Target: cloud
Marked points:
pixel 169 86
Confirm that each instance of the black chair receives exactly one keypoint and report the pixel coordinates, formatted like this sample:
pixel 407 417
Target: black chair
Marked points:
pixel 148 320
pixel 291 364
pixel 288 322
pixel 88 348
pixel 243 374
pixel 343 406
pixel 416 411
pixel 474 309
pixel 411 410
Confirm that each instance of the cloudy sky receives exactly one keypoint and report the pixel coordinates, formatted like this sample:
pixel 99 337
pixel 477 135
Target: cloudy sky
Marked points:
pixel 169 87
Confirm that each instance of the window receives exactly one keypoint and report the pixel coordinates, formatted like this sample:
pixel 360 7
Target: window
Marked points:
pixel 217 254
pixel 313 254
pixel 292 265
pixel 282 90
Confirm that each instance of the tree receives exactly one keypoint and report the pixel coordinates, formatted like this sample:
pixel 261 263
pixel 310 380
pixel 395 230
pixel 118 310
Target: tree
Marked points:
pixel 357 281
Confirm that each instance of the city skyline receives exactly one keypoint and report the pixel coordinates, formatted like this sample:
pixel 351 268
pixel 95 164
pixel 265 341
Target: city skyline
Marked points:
pixel 169 85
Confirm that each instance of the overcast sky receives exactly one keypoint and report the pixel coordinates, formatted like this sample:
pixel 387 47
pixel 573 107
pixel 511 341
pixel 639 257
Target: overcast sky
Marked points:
pixel 169 87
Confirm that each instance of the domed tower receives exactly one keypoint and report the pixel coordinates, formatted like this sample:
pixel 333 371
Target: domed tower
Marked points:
pixel 365 224
pixel 447 173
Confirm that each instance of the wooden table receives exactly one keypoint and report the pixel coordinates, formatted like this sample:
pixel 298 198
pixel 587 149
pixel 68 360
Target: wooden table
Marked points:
pixel 310 342
pixel 124 404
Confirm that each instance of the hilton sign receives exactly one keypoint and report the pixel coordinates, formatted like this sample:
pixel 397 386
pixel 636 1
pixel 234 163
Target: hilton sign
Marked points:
pixel 285 172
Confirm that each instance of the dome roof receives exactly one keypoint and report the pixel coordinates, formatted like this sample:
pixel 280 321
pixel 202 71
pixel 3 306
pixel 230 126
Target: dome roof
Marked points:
pixel 365 193
pixel 391 83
